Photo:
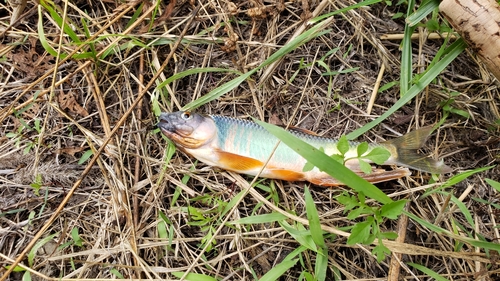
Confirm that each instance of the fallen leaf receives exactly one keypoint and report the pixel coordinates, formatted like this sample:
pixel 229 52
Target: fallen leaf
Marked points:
pixel 72 150
pixel 68 101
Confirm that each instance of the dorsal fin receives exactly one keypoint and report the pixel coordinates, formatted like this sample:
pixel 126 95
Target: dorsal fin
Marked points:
pixel 299 130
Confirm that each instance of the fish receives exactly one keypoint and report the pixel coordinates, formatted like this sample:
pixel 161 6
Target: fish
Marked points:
pixel 245 147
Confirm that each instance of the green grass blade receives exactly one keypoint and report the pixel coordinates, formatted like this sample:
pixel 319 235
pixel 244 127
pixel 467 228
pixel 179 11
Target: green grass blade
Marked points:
pixel 38 245
pixel 313 217
pixel 406 60
pixel 321 265
pixel 116 273
pixel 464 211
pixel 43 39
pixel 428 271
pixel 439 230
pixel 305 37
pixel 277 271
pixel 345 71
pixel 48 47
pixel 163 219
pixel 462 176
pixel 217 92
pixel 135 16
pixel 27 276
pixel 194 71
pixel 76 237
pixel 427 7
pixel 494 184
pixel 93 51
pixel 455 180
pixel 66 29
pixel 343 10
pixel 295 253
pixel 302 236
pixel 266 218
pixel 327 164
pixel 85 156
pixel 486 202
pixel 16 269
pixel 452 52
pixel 425 223
pixel 10 212
pixel 232 203
pixel 59 20
pixel 481 244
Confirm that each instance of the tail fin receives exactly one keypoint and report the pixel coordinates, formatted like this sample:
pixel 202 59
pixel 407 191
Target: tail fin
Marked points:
pixel 406 148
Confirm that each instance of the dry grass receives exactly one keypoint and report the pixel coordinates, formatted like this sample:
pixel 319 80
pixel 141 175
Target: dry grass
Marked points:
pixel 120 199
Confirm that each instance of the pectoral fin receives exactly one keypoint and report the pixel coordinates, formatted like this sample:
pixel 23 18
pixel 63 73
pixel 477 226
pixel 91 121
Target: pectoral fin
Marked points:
pixel 237 163
pixel 247 165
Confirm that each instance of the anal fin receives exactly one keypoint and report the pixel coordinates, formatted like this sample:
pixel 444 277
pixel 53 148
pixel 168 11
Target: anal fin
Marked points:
pixel 376 176
pixel 283 174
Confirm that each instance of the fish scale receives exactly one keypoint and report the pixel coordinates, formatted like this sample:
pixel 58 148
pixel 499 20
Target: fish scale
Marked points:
pixel 235 135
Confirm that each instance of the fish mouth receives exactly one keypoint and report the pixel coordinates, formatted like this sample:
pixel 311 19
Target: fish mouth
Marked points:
pixel 170 127
pixel 165 125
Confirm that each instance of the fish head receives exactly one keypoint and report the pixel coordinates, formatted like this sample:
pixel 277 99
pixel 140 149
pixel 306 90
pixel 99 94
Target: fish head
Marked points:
pixel 187 129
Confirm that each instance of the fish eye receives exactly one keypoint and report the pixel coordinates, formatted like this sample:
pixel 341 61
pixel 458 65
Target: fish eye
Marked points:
pixel 186 115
